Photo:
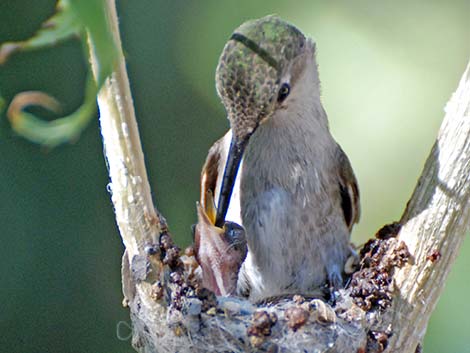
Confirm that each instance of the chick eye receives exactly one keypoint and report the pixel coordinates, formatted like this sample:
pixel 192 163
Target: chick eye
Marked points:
pixel 283 92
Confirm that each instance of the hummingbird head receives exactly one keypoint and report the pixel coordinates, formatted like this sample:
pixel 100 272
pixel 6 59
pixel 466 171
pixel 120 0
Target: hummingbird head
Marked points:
pixel 256 71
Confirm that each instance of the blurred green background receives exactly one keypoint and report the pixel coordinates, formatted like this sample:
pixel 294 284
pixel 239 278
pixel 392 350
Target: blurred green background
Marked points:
pixel 387 69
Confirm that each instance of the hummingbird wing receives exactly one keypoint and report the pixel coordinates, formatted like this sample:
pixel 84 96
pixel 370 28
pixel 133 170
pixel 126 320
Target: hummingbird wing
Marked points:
pixel 349 191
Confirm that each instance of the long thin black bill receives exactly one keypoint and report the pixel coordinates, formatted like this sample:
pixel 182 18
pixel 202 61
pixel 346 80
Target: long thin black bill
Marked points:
pixel 232 165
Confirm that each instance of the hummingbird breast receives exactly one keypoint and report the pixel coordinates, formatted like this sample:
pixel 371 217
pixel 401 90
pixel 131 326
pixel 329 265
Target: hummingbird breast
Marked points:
pixel 290 206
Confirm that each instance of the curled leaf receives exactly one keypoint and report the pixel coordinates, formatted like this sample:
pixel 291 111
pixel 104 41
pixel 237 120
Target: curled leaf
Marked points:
pixel 73 17
pixel 29 98
pixel 55 132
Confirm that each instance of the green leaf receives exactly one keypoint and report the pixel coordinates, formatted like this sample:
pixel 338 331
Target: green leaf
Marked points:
pixel 3 104
pixel 94 19
pixel 61 26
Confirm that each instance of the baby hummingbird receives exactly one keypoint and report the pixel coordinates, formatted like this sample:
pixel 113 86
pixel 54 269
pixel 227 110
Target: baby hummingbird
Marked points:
pixel 278 172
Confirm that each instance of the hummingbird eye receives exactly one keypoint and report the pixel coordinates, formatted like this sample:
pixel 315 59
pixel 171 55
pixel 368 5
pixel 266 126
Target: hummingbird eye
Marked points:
pixel 283 92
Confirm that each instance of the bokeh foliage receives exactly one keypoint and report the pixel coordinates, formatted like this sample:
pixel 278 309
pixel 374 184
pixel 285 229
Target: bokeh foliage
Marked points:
pixel 387 70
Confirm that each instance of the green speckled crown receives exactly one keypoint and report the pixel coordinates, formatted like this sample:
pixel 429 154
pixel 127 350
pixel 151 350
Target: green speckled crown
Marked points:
pixel 251 66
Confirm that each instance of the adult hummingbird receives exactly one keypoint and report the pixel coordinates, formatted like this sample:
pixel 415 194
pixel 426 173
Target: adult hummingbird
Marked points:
pixel 278 172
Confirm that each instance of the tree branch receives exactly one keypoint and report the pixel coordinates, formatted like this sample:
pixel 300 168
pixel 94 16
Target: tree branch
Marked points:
pixel 129 187
pixel 435 222
pixel 168 311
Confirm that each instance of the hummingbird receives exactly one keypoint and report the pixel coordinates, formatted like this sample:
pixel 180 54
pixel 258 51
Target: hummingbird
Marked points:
pixel 278 172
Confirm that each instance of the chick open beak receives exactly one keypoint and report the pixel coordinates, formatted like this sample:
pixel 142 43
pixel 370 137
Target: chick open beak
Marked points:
pixel 220 251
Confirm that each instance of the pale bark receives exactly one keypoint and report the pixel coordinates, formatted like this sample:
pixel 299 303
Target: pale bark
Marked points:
pixel 434 224
pixel 435 221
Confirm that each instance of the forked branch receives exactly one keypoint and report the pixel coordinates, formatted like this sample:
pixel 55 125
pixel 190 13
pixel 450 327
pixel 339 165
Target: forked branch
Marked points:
pixel 169 314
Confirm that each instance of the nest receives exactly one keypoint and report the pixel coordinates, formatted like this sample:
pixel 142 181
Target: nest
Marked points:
pixel 170 312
